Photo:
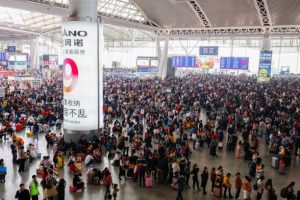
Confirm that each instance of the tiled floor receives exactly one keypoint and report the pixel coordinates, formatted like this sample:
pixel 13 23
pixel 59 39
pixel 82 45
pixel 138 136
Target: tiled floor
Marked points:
pixel 130 190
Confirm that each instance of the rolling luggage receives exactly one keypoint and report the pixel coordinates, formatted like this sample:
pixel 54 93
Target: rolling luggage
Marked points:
pixel 90 176
pixel 275 162
pixel 218 192
pixel 72 188
pixel 130 173
pixel 78 167
pixel 26 165
pixel 97 181
pixel 281 167
pixel 149 182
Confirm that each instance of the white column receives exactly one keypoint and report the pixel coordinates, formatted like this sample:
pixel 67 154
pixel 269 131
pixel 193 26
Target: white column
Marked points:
pixel 34 53
pixel 164 60
pixel 83 82
pixel 158 49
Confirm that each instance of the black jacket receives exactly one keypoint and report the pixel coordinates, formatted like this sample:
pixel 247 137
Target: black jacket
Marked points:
pixel 24 195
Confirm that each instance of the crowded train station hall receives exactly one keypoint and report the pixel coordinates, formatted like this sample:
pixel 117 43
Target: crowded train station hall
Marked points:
pixel 149 99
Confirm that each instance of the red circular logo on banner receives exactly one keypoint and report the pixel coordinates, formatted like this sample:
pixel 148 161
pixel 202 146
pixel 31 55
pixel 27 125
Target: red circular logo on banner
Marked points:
pixel 70 75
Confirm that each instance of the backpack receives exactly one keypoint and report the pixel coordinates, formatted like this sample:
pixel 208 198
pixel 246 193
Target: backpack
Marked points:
pixel 284 192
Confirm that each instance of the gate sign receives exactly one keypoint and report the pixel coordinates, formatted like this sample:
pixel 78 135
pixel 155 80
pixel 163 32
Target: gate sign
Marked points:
pixel 11 48
pixel 184 61
pixel 80 77
pixel 2 56
pixel 239 63
pixel 264 69
pixel 209 50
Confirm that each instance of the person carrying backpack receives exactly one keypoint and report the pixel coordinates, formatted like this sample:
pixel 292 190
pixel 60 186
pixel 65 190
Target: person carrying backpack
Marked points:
pixel 288 192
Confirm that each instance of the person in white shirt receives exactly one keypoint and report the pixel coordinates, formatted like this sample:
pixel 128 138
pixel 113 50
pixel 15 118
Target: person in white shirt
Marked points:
pixel 89 160
pixel 260 186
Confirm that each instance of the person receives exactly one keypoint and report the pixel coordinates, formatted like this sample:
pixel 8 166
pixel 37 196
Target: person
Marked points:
pixel 61 189
pixel 34 188
pixel 204 179
pixel 291 193
pixel 107 182
pixel 50 186
pixel 246 188
pixel 213 148
pixel 238 150
pixel 141 170
pixel 269 192
pixel 195 179
pixel 115 191
pixel 187 172
pixel 260 187
pixel 77 182
pixel 36 131
pixel 238 185
pixel 22 193
pixel 180 187
pixel 89 160
pixel 3 171
pixel 227 186
pixel 213 177
pixel 122 169
pixel 22 159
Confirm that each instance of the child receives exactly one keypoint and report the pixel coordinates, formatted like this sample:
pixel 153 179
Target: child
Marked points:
pixel 238 150
pixel 115 191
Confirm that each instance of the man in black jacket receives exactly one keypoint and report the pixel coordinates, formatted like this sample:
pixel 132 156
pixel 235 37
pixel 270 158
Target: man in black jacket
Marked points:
pixel 22 193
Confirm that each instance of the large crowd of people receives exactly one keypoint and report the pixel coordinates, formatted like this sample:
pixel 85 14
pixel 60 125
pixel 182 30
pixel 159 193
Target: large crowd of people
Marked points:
pixel 153 128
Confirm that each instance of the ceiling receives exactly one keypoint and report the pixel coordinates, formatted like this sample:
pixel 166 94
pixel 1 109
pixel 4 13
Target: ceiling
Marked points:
pixel 142 19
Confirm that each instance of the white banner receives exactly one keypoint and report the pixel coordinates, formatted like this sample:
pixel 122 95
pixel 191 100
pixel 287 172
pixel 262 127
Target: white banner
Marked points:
pixel 81 91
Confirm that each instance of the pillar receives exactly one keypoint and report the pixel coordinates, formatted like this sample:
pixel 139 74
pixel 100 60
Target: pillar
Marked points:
pixel 34 53
pixel 83 77
pixel 158 49
pixel 163 63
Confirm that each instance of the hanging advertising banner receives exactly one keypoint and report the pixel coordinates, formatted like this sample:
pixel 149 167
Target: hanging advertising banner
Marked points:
pixel 209 62
pixel 209 51
pixel 264 69
pixel 82 77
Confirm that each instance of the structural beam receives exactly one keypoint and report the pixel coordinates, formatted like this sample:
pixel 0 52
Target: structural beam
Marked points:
pixel 44 7
pixel 230 31
pixel 199 12
pixel 262 10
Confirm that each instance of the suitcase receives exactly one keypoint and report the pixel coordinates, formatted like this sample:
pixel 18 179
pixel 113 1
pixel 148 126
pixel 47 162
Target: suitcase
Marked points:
pixel 26 165
pixel 218 192
pixel 29 134
pixel 90 177
pixel 39 173
pixel 281 169
pixel 197 145
pixel 72 168
pixel 97 181
pixel 130 173
pixel 149 182
pixel 72 188
pixel 38 155
pixel 275 162
pixel 78 167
